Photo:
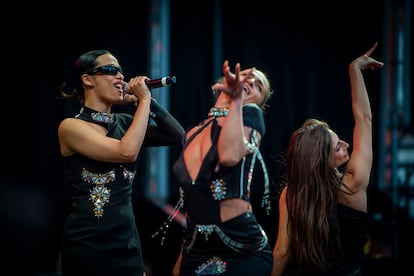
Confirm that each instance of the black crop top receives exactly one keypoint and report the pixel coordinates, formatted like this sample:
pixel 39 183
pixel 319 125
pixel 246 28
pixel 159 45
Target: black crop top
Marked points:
pixel 216 182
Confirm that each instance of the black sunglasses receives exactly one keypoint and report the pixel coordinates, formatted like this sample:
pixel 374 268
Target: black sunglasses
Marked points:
pixel 105 70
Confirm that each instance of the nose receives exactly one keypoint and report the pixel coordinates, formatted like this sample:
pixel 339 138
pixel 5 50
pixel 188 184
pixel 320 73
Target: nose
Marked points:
pixel 120 76
pixel 251 81
pixel 344 144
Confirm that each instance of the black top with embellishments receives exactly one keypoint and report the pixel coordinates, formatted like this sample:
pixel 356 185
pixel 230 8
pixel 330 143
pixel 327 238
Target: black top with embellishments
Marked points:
pixel 216 182
pixel 100 235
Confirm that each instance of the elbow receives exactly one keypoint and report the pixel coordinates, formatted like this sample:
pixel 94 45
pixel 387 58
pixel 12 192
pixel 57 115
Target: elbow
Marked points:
pixel 362 116
pixel 280 256
pixel 174 136
pixel 178 138
pixel 279 263
pixel 229 159
pixel 129 157
pixel 366 117
pixel 231 154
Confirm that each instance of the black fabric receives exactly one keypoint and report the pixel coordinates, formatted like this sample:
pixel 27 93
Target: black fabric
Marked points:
pixel 252 259
pixel 162 130
pixel 199 196
pixel 348 262
pixel 86 115
pixel 253 117
pixel 166 131
pixel 205 252
pixel 108 244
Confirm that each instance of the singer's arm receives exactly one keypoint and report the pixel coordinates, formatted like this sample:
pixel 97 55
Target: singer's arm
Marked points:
pixel 166 130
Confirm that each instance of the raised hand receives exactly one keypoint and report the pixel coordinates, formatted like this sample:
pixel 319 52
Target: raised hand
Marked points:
pixel 366 61
pixel 233 82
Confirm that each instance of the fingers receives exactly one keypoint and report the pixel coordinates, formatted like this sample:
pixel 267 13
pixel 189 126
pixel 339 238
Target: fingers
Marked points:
pixel 225 66
pixel 249 73
pixel 237 78
pixel 237 69
pixel 372 49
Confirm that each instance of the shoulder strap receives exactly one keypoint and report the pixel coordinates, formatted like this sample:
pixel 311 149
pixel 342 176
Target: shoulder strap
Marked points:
pixel 198 131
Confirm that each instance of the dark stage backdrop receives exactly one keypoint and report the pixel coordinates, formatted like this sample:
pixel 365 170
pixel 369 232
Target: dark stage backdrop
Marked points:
pixel 304 47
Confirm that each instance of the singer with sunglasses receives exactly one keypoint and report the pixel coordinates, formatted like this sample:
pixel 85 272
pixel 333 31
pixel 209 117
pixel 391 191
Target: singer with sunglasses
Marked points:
pixel 100 150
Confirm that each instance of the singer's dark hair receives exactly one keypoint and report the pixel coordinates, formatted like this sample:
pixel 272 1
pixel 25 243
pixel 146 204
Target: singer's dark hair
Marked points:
pixel 83 64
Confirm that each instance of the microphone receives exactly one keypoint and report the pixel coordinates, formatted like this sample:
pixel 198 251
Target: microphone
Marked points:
pixel 156 83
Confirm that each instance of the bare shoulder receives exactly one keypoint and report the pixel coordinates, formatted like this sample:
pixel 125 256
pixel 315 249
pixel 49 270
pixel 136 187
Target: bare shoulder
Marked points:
pixel 69 123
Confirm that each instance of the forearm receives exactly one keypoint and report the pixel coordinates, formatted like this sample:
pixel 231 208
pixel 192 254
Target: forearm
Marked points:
pixel 132 141
pixel 361 107
pixel 361 110
pixel 231 141
pixel 167 131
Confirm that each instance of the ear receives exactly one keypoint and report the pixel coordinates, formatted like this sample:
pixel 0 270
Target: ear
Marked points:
pixel 86 80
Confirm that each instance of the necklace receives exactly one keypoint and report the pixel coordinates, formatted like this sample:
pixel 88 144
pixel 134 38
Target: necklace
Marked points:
pixel 91 115
pixel 218 112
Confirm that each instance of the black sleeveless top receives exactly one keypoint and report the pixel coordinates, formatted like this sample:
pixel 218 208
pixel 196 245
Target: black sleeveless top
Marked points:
pixel 216 182
pixel 348 261
pixel 100 236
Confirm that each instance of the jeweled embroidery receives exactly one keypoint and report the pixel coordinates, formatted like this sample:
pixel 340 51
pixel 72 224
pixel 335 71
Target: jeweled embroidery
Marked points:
pixel 205 229
pixel 213 266
pixel 218 112
pixel 218 189
pixel 208 229
pixel 128 175
pixel 102 117
pixel 99 194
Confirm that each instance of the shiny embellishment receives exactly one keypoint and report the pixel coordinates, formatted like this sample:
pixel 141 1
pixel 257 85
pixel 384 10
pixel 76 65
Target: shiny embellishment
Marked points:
pixel 240 247
pixel 99 194
pixel 234 245
pixel 102 117
pixel 266 197
pixel 128 175
pixel 218 189
pixel 166 225
pixel 218 112
pixel 252 145
pixel 338 173
pixel 205 229
pixel 213 266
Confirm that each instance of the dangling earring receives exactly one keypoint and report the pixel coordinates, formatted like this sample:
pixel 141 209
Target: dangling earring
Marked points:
pixel 338 173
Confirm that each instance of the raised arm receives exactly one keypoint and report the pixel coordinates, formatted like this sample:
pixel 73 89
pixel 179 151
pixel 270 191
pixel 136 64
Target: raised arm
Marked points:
pixel 357 172
pixel 231 144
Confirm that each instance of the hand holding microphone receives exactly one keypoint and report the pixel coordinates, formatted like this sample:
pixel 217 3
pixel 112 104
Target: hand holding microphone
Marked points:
pixel 156 83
